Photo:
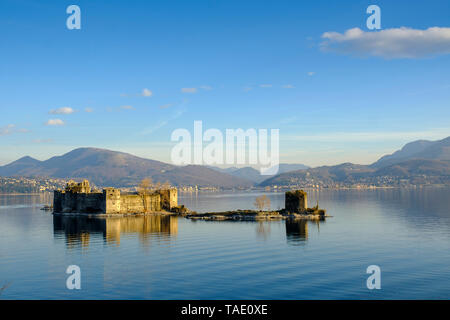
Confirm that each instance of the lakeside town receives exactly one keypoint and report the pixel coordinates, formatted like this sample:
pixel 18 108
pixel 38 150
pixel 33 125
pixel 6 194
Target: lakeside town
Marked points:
pixel 33 185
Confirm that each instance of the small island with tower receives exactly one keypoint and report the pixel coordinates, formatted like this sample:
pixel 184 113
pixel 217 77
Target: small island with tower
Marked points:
pixel 296 207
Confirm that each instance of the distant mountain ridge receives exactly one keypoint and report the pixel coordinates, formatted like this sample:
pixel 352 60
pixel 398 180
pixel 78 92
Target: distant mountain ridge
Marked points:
pixel 255 176
pixel 416 171
pixel 421 149
pixel 111 168
pixel 418 162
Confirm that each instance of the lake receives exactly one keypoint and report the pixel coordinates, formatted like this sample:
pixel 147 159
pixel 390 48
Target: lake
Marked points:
pixel 404 232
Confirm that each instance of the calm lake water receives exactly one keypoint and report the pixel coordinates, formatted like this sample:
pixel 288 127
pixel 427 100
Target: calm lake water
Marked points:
pixel 405 232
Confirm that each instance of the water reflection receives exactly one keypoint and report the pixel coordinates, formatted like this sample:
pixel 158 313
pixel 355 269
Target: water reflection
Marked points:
pixel 297 230
pixel 263 229
pixel 78 230
pixel 8 201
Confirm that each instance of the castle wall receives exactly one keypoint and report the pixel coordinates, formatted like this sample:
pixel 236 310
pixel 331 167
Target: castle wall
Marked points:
pixel 169 198
pixel 111 201
pixel 296 201
pixel 89 202
pixel 135 203
pixel 67 202
pixel 57 201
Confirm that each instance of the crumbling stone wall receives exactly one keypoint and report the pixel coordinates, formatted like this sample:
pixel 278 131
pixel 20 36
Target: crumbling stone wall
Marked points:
pixel 136 203
pixel 78 202
pixel 78 198
pixel 169 198
pixel 296 201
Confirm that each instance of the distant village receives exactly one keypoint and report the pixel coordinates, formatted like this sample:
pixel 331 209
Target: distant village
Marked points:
pixel 27 185
pixel 30 185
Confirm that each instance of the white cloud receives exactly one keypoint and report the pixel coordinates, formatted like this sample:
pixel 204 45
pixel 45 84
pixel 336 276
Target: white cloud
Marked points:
pixel 165 106
pixel 178 113
pixel 265 85
pixel 389 43
pixel 189 90
pixel 247 89
pixel 39 141
pixel 89 110
pixel 311 73
pixel 6 130
pixel 10 129
pixel 288 86
pixel 127 107
pixel 146 92
pixel 63 110
pixel 207 88
pixel 54 122
pixel 156 127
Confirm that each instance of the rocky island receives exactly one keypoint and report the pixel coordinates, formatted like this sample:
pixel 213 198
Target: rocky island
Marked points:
pixel 296 207
pixel 78 198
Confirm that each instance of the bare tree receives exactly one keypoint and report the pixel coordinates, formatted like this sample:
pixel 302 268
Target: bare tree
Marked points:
pixel 262 202
pixel 166 185
pixel 145 186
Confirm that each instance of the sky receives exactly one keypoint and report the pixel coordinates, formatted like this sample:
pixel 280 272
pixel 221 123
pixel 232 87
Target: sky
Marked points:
pixel 138 70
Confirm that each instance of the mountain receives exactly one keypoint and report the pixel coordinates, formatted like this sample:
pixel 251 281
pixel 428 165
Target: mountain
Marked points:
pixel 419 162
pixel 286 167
pixel 254 175
pixel 19 165
pixel 421 149
pixel 415 171
pixel 345 172
pixel 118 169
pixel 416 167
pixel 249 173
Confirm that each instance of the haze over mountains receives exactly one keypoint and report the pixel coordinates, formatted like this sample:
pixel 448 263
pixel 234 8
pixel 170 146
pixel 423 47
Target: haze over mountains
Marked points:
pixel 255 176
pixel 417 161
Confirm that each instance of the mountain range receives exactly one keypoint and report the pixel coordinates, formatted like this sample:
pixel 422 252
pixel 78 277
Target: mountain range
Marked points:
pixel 421 149
pixel 255 176
pixel 118 169
pixel 417 161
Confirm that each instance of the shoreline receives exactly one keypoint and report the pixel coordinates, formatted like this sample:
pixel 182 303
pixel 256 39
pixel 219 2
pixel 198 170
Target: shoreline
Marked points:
pixel 283 189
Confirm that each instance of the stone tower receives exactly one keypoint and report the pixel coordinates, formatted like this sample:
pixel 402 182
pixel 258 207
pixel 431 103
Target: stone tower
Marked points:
pixel 296 201
pixel 112 200
pixel 169 198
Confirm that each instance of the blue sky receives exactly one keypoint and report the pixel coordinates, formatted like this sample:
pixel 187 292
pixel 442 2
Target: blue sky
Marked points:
pixel 231 64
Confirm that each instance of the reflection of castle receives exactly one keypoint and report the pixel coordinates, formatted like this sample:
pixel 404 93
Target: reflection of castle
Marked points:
pixel 78 198
pixel 297 230
pixel 78 229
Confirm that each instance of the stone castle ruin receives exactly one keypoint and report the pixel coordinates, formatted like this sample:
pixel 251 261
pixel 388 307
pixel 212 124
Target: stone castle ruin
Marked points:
pixel 79 198
pixel 296 201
